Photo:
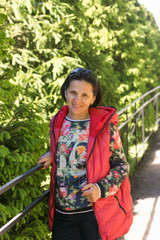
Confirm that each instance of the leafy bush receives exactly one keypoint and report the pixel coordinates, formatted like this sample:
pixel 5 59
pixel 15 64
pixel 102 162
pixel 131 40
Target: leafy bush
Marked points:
pixel 23 138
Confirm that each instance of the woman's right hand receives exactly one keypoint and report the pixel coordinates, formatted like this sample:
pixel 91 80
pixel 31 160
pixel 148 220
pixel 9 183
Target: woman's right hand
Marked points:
pixel 46 158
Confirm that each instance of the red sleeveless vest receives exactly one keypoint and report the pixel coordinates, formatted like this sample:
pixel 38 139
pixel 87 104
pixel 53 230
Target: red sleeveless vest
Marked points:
pixel 114 214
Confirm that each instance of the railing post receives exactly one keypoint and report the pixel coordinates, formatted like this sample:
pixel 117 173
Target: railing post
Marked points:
pixel 157 107
pixel 143 127
pixel 148 119
pixel 136 137
pixel 127 135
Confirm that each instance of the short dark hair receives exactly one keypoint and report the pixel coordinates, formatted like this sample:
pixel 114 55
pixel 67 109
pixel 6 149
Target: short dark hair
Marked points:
pixel 87 75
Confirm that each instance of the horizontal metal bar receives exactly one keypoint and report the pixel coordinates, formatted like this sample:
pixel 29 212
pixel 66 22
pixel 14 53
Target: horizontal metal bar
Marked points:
pixel 137 111
pixel 124 123
pixel 20 178
pixel 18 217
pixel 138 99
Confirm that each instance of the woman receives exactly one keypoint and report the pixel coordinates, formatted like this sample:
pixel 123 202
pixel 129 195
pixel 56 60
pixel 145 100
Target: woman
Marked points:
pixel 89 189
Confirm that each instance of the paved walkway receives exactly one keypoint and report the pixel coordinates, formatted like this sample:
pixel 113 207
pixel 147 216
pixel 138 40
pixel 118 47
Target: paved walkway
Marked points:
pixel 146 196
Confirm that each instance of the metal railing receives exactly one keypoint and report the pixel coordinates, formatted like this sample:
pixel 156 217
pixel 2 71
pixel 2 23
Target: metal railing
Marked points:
pixel 129 128
pixel 12 183
pixel 135 123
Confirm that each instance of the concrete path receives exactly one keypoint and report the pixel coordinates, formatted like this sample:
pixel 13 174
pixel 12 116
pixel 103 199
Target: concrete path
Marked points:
pixel 146 196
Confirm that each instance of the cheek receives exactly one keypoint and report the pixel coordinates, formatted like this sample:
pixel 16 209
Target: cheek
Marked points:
pixel 68 97
pixel 88 103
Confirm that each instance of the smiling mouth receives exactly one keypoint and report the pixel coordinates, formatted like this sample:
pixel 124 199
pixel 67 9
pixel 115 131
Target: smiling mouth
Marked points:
pixel 76 106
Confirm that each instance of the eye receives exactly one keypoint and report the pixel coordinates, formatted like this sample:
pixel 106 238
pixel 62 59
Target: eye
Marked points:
pixel 72 92
pixel 84 95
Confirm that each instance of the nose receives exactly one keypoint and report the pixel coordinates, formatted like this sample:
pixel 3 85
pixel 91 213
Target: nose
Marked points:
pixel 78 98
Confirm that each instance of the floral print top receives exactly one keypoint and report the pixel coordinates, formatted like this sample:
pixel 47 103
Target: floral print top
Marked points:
pixel 71 165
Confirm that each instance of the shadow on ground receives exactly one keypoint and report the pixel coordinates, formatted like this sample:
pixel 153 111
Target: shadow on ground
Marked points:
pixel 145 185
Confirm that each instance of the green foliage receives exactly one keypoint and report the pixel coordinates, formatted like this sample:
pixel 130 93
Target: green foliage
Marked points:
pixel 119 40
pixel 23 138
pixel 40 43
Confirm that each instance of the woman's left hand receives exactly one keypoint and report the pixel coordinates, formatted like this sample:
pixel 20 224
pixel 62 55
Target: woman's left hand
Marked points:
pixel 91 192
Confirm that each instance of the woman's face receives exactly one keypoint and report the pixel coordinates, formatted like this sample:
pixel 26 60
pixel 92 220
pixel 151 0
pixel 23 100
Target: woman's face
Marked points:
pixel 79 96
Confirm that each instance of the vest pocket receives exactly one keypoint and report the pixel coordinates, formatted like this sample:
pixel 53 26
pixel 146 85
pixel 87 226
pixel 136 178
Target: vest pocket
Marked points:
pixel 120 204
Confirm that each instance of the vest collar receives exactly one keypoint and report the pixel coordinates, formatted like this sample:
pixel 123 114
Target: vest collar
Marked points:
pixel 99 117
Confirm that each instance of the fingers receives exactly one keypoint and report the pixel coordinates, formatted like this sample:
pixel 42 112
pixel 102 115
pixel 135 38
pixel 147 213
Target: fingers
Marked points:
pixel 91 192
pixel 46 159
pixel 86 187
pixel 47 163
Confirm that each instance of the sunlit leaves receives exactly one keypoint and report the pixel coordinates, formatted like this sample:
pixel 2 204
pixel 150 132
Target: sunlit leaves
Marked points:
pixel 23 134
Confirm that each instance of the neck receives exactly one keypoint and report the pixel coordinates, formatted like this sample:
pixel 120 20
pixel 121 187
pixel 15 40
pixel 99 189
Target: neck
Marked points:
pixel 73 117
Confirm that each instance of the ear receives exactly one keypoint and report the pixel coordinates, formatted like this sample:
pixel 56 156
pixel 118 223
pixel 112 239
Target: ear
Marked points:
pixel 94 98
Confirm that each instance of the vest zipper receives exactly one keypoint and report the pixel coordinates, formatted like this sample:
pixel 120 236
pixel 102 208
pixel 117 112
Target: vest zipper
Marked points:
pixel 95 142
pixel 93 204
